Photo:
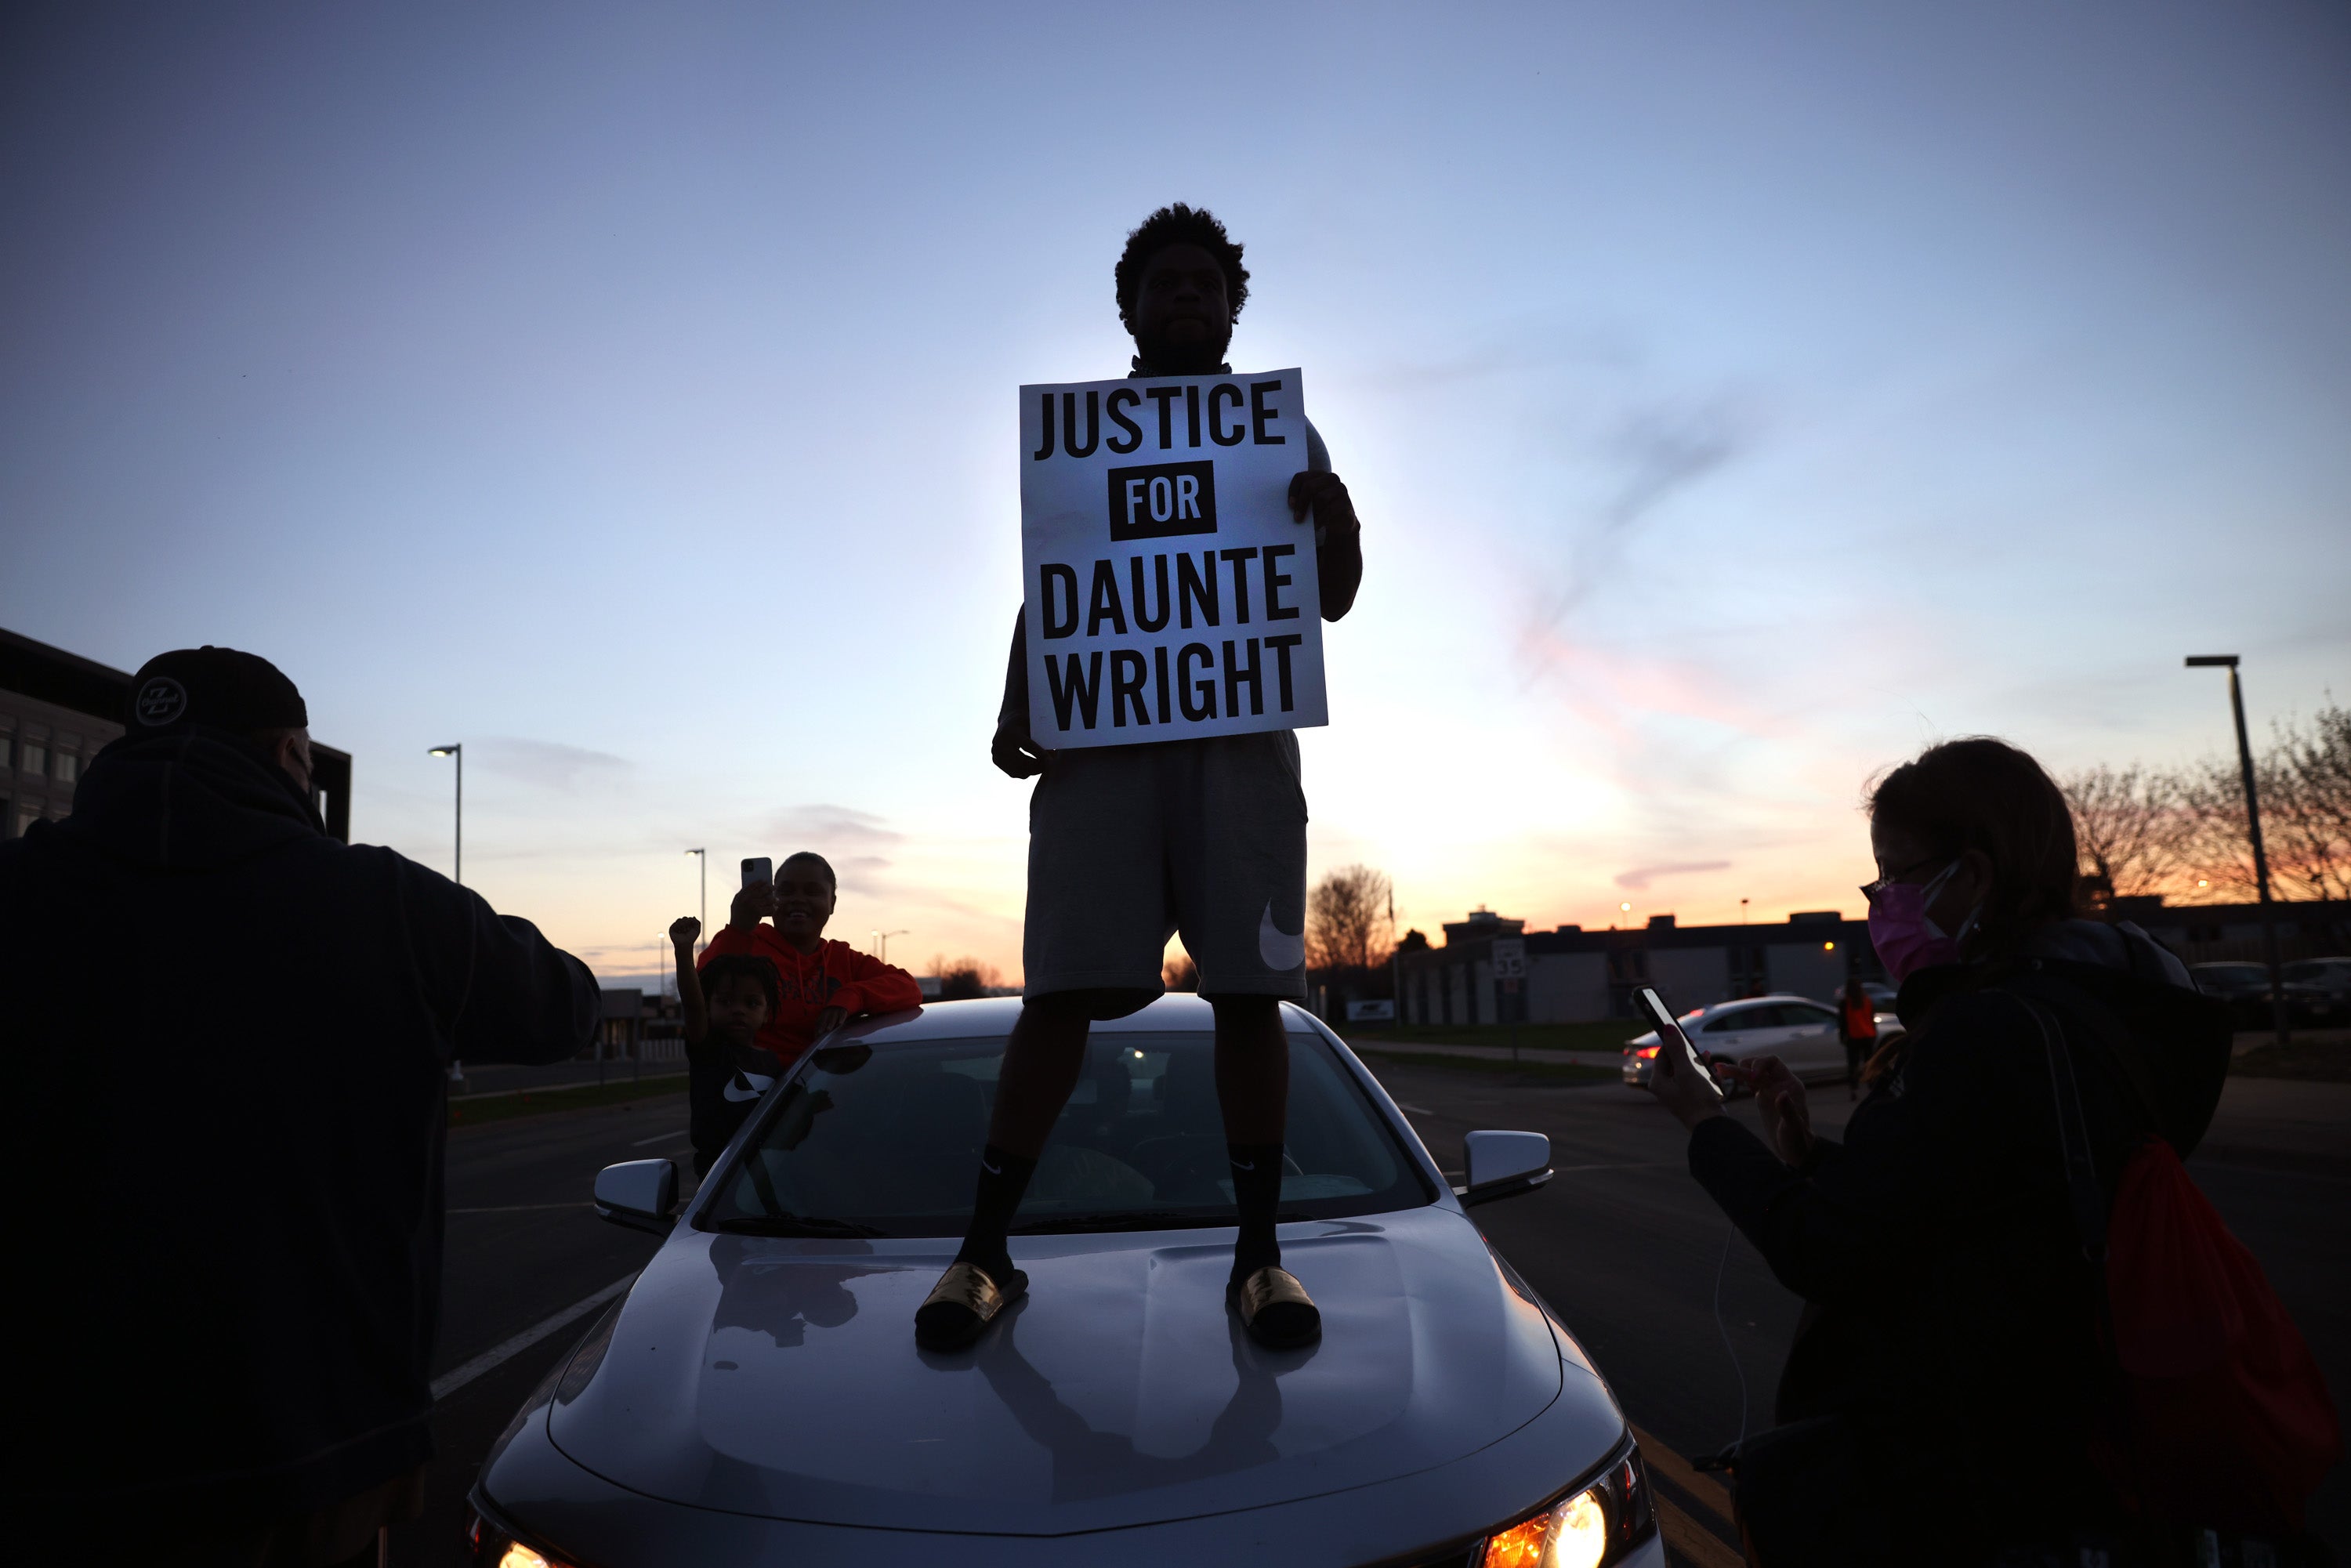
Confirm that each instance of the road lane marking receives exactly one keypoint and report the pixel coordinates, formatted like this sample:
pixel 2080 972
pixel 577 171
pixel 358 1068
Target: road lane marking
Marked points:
pixel 448 1382
pixel 1688 1540
pixel 1415 1109
pixel 521 1208
pixel 1702 1487
pixel 658 1138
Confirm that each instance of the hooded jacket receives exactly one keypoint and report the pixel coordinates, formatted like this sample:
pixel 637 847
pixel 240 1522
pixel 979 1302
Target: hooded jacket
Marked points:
pixel 1950 1316
pixel 226 1041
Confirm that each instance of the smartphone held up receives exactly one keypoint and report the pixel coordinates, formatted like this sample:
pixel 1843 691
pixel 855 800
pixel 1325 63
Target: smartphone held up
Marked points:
pixel 758 871
pixel 1674 1052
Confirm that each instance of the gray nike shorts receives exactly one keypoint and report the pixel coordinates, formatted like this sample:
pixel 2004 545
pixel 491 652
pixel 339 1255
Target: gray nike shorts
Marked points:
pixel 1131 845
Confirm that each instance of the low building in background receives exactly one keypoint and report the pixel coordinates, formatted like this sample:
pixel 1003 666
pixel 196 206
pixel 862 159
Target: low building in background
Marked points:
pixel 1574 976
pixel 57 709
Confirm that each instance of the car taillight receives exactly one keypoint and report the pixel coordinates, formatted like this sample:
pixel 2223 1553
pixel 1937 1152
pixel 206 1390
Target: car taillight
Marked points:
pixel 1646 1052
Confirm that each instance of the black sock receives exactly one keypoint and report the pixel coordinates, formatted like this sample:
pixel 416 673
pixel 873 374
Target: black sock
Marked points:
pixel 1002 1179
pixel 1257 1193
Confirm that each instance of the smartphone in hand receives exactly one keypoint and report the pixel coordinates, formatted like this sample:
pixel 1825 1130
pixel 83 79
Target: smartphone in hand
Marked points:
pixel 1674 1050
pixel 758 871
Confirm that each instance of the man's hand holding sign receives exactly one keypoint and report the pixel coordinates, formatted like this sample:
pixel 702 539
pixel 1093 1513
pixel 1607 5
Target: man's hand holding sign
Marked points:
pixel 1183 539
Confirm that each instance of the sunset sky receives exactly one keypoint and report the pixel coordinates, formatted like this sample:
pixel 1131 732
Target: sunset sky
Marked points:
pixel 1737 397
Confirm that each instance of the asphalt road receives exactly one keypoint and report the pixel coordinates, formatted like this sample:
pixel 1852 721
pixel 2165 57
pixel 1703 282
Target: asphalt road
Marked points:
pixel 1622 1243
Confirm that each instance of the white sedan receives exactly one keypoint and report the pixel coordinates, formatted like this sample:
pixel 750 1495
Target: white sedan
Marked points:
pixel 758 1397
pixel 1798 1030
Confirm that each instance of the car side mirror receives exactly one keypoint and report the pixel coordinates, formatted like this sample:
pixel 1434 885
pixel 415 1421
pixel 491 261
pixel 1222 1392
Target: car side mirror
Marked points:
pixel 1502 1165
pixel 639 1193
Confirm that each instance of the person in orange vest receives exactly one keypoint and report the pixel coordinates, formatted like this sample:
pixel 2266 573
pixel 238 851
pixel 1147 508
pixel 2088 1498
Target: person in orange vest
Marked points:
pixel 1858 1027
pixel 825 984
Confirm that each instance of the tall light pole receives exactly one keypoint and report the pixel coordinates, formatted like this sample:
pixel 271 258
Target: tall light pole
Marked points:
pixel 458 874
pixel 457 858
pixel 882 943
pixel 702 856
pixel 2253 822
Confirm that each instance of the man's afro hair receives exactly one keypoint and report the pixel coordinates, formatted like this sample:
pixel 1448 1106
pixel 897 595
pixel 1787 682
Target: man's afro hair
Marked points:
pixel 1180 224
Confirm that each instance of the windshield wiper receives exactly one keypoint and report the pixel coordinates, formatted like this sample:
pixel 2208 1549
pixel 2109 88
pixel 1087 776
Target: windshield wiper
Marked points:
pixel 1138 1220
pixel 784 1224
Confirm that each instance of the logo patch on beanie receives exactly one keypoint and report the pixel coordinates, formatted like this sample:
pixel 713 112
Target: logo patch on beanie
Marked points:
pixel 161 701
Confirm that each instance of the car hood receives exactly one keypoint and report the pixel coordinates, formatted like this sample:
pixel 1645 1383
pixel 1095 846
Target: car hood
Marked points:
pixel 780 1377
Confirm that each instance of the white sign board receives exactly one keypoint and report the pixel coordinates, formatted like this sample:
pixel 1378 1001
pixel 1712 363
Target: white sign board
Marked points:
pixel 1510 956
pixel 1168 591
pixel 1382 1011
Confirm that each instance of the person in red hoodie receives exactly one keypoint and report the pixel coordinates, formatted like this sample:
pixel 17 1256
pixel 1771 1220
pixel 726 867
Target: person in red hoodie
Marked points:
pixel 825 984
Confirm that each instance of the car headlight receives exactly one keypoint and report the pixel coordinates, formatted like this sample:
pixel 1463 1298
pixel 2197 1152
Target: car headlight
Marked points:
pixel 494 1548
pixel 1592 1526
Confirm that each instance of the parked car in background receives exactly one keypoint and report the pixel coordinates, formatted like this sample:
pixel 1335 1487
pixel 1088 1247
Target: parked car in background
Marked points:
pixel 2246 988
pixel 1798 1030
pixel 757 1395
pixel 2332 976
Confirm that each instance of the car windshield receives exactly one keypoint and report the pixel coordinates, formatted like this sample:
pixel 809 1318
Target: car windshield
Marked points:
pixel 2319 969
pixel 2233 974
pixel 886 1141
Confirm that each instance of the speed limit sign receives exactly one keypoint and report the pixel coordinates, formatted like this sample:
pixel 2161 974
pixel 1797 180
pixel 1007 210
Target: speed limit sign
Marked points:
pixel 1509 954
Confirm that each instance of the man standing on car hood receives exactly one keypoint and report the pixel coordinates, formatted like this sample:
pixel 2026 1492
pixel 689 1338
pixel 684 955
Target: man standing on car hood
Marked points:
pixel 227 1038
pixel 1130 845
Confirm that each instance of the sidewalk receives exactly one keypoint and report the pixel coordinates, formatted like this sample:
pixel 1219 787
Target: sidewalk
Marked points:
pixel 2282 1123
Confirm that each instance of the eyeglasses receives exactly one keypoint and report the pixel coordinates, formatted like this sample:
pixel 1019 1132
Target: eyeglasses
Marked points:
pixel 1870 890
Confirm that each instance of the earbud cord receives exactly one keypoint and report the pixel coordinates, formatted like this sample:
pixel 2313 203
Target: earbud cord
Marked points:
pixel 1724 1330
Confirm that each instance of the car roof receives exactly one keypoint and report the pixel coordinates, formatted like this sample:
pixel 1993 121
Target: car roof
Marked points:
pixel 1180 1011
pixel 1757 1001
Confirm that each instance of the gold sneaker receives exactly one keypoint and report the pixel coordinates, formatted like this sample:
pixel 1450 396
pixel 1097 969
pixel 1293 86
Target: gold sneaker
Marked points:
pixel 1275 1309
pixel 964 1302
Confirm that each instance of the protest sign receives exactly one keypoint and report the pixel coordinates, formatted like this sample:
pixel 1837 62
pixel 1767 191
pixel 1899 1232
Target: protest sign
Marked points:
pixel 1168 591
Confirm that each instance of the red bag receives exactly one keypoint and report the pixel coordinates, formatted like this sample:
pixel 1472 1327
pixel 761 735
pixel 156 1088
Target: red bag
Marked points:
pixel 2223 1415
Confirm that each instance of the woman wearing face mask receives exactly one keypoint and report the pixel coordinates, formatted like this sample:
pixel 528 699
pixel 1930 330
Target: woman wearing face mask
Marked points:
pixel 1940 1399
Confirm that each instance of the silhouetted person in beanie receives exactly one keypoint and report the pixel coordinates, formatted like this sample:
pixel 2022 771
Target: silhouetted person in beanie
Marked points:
pixel 227 1038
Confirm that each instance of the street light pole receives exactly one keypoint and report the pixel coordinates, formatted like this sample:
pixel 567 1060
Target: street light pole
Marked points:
pixel 883 943
pixel 458 857
pixel 2254 823
pixel 703 857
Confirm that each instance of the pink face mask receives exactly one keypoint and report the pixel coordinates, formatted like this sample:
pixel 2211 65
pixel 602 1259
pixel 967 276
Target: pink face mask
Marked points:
pixel 1905 939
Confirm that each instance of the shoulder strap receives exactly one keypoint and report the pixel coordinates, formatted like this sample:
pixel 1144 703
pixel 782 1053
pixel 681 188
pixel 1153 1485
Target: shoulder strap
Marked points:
pixel 2088 1199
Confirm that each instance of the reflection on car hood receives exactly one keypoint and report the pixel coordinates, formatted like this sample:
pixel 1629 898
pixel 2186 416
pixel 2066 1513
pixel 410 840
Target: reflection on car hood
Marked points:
pixel 780 1377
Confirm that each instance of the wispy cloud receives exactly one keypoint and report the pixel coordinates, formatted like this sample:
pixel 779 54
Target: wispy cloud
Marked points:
pixel 826 828
pixel 550 764
pixel 1640 879
pixel 1654 454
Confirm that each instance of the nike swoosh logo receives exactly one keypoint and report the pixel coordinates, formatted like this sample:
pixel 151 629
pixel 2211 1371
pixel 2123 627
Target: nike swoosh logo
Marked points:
pixel 992 1170
pixel 743 1086
pixel 1240 1166
pixel 1279 949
